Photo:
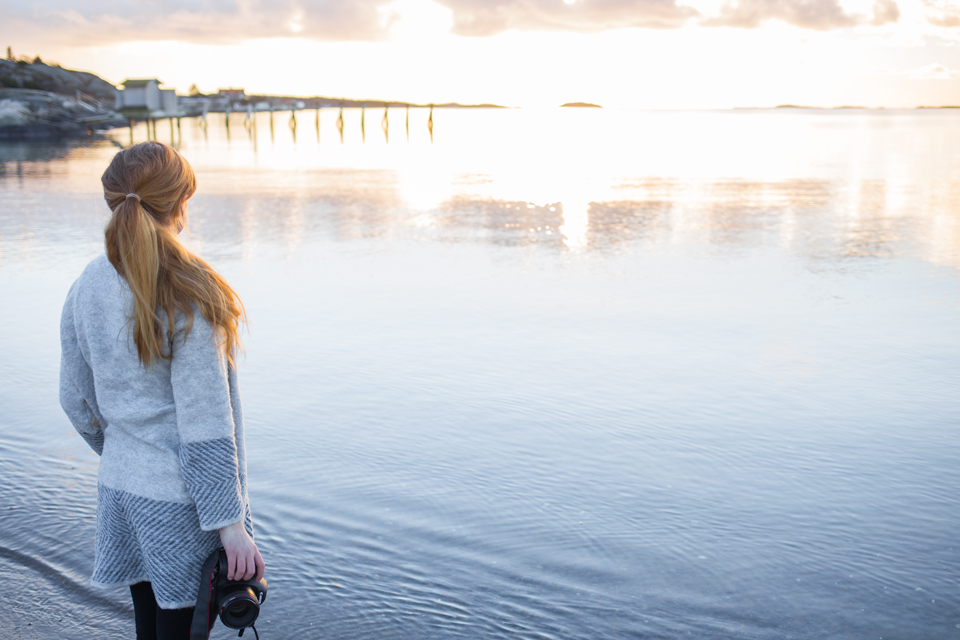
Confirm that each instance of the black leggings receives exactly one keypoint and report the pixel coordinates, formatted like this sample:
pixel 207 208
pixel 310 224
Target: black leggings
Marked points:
pixel 154 623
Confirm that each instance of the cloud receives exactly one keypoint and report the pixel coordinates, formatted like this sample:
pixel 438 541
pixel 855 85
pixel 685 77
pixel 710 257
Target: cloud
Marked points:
pixel 942 13
pixel 209 21
pixel 221 21
pixel 885 12
pixel 487 17
pixel 819 15
pixel 236 20
pixel 932 72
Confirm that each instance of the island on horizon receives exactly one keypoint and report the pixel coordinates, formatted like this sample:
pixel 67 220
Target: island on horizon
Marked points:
pixel 581 104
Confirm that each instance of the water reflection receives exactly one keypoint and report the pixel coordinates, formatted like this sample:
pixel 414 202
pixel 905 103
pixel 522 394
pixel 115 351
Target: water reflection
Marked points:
pixel 14 153
pixel 466 188
pixel 609 223
pixel 578 194
pixel 510 223
pixel 553 375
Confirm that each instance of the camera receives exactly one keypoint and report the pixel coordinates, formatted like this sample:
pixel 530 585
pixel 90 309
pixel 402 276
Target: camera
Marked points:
pixel 236 602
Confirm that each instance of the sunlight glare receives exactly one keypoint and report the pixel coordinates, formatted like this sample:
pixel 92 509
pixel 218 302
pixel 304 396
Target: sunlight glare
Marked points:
pixel 576 221
pixel 296 23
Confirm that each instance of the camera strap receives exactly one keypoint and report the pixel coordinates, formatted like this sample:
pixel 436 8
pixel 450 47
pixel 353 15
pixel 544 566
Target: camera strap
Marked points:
pixel 204 617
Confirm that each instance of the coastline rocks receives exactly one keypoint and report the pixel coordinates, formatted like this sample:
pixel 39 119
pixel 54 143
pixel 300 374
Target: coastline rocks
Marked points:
pixel 12 113
pixel 54 79
pixel 26 113
pixel 41 101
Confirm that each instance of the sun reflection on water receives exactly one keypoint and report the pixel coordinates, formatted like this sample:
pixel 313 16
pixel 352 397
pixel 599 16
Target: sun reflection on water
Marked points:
pixel 822 184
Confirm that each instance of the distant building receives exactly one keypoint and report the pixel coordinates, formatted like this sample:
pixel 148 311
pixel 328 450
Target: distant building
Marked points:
pixel 145 99
pixel 232 94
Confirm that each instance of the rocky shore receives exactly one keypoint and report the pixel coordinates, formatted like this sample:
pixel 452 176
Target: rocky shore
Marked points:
pixel 38 100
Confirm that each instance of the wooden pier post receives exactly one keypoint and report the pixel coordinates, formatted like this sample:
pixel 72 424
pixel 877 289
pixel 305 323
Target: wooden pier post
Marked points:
pixel 316 122
pixel 203 124
pixel 385 122
pixel 253 132
pixel 430 124
pixel 340 123
pixel 363 125
pixel 408 123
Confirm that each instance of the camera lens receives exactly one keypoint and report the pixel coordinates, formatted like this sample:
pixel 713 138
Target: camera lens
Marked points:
pixel 239 607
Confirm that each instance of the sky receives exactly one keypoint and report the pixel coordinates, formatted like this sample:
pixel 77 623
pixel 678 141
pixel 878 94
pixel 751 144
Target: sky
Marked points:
pixel 632 54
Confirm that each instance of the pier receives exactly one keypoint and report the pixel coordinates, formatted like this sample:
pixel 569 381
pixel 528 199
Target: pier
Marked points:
pixel 143 99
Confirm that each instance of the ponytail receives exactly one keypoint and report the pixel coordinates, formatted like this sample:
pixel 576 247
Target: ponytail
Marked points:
pixel 131 238
pixel 162 274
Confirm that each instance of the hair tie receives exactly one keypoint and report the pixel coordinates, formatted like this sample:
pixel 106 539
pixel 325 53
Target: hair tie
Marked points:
pixel 133 195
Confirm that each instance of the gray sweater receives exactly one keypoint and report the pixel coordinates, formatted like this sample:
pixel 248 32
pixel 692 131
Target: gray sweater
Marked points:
pixel 170 436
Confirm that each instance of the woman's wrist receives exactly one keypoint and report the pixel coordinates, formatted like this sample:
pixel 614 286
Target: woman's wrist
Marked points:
pixel 232 527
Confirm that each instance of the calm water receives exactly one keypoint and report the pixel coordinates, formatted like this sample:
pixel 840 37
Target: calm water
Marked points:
pixel 558 374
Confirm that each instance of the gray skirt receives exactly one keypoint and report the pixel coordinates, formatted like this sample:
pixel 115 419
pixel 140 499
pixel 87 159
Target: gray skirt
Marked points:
pixel 140 539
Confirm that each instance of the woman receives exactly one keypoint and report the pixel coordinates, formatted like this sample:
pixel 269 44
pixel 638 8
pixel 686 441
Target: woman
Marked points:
pixel 149 337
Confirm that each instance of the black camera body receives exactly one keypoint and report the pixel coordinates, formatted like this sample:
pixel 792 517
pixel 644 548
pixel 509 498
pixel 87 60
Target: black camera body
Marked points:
pixel 236 602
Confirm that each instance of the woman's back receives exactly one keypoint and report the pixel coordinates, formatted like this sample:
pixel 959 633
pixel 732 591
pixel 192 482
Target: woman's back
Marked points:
pixel 135 405
pixel 148 334
pixel 129 396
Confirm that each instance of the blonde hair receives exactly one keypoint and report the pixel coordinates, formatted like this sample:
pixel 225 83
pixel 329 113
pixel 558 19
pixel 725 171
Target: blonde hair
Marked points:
pixel 163 275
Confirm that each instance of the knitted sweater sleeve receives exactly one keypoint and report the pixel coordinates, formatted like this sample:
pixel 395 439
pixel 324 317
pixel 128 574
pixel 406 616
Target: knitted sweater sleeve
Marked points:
pixel 77 392
pixel 210 449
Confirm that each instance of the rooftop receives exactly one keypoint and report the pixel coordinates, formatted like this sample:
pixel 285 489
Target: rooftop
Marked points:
pixel 137 83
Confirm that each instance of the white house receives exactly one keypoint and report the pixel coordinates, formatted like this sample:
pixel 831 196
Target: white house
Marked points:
pixel 145 99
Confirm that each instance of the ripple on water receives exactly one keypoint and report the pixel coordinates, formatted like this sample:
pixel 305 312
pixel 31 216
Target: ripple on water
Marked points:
pixel 720 401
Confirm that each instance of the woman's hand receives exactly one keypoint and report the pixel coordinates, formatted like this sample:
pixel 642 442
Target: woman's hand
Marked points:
pixel 243 557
